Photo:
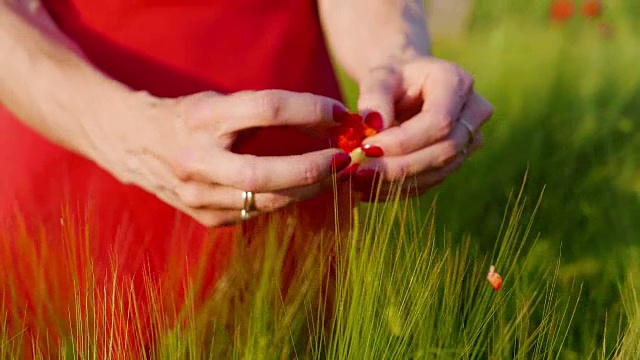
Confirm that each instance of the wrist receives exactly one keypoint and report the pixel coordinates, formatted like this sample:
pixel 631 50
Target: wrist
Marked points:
pixel 396 32
pixel 395 60
pixel 392 55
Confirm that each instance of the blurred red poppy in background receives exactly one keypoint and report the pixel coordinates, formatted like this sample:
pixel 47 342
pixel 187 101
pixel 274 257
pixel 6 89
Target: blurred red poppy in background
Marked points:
pixel 561 10
pixel 592 8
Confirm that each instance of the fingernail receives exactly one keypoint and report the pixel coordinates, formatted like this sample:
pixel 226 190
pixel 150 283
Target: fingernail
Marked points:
pixel 340 114
pixel 374 121
pixel 340 161
pixel 373 151
pixel 348 173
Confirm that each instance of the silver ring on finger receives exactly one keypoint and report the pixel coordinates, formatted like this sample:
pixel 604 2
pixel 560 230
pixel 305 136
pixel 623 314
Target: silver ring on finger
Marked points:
pixel 472 137
pixel 248 206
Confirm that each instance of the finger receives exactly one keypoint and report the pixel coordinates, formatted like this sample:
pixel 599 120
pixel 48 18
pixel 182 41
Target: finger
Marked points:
pixel 413 185
pixel 250 109
pixel 205 216
pixel 445 91
pixel 200 195
pixel 477 111
pixel 429 159
pixel 216 218
pixel 377 94
pixel 477 144
pixel 424 182
pixel 262 173
pixel 434 157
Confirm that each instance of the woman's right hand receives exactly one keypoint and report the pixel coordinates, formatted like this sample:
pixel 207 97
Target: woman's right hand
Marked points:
pixel 180 150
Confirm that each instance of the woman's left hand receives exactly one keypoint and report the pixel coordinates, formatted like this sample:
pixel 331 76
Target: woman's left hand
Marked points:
pixel 429 118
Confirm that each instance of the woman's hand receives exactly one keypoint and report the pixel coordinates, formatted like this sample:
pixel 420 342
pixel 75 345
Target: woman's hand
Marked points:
pixel 180 150
pixel 430 117
pixel 427 112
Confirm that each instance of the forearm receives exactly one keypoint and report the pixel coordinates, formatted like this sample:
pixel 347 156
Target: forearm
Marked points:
pixel 46 82
pixel 365 34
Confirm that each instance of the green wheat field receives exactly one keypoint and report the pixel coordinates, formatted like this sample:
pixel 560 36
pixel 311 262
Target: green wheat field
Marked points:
pixel 552 200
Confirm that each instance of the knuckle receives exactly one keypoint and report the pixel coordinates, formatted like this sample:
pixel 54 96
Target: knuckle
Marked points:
pixel 457 76
pixel 464 81
pixel 400 143
pixel 449 68
pixel 190 195
pixel 448 151
pixel 269 103
pixel 311 173
pixel 193 112
pixel 248 177
pixel 316 105
pixel 184 170
pixel 444 125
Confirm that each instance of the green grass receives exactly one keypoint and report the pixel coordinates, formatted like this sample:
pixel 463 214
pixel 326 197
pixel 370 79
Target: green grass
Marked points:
pixel 567 110
pixel 409 280
pixel 402 290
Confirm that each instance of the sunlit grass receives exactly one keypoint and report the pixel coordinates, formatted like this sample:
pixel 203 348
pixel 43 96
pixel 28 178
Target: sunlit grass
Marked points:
pixel 567 100
pixel 401 289
pixel 409 278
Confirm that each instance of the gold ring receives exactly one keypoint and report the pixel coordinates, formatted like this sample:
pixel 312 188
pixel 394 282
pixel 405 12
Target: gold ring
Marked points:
pixel 249 204
pixel 472 137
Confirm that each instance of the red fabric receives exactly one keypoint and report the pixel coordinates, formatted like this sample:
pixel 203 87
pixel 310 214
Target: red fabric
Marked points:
pixel 169 48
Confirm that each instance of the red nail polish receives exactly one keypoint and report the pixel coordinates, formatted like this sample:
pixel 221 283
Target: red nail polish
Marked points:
pixel 373 151
pixel 340 161
pixel 340 114
pixel 374 121
pixel 348 173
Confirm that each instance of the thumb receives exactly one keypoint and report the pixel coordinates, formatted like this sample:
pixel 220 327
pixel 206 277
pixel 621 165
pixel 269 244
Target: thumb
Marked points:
pixel 377 94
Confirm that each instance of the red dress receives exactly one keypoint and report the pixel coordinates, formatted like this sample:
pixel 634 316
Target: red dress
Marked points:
pixel 169 48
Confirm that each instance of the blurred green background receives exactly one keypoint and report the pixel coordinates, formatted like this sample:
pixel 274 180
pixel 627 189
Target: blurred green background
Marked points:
pixel 567 116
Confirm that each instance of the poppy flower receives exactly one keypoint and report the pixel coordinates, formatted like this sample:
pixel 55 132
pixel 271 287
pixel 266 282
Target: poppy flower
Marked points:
pixel 592 8
pixel 494 278
pixel 562 10
pixel 352 131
